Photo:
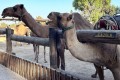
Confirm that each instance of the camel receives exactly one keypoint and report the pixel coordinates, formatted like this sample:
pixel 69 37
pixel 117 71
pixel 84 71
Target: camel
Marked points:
pixel 21 30
pixel 102 54
pixel 81 23
pixel 36 49
pixel 21 13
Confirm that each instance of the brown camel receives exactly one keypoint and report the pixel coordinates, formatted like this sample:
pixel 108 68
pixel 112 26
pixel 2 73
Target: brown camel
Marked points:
pixel 26 17
pixel 36 49
pixel 81 23
pixel 79 20
pixel 20 12
pixel 98 53
pixel 21 30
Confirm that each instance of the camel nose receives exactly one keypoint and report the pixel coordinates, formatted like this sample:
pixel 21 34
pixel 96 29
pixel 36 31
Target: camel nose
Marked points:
pixel 4 11
pixel 48 16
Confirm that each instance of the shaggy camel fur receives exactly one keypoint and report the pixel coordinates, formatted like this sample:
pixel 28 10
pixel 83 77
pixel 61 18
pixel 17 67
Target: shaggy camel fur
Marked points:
pixel 98 53
pixel 21 13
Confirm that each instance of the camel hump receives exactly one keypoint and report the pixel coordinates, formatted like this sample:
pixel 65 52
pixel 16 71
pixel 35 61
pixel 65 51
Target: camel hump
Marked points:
pixel 81 22
pixel 20 30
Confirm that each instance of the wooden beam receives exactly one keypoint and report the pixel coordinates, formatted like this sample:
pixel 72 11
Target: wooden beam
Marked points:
pixel 16 19
pixel 35 40
pixel 98 36
pixel 3 31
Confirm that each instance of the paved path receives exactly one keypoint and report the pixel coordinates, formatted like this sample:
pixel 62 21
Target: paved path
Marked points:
pixel 7 74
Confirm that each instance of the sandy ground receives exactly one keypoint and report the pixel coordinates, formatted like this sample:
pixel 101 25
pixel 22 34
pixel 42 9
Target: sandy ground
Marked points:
pixel 80 69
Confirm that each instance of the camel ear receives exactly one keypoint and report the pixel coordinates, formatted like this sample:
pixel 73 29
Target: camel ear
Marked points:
pixel 21 6
pixel 69 17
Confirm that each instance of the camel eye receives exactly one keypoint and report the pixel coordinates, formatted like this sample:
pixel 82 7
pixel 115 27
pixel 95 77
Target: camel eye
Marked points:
pixel 69 18
pixel 14 8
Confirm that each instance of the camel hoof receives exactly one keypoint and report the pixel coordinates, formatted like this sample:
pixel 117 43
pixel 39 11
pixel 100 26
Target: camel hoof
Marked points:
pixel 45 61
pixel 13 53
pixel 63 67
pixel 94 76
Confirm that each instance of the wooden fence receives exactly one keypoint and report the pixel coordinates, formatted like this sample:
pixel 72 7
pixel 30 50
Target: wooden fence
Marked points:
pixel 41 41
pixel 31 70
pixel 106 36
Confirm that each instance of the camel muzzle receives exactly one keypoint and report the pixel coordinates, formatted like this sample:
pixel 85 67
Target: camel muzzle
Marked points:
pixel 3 16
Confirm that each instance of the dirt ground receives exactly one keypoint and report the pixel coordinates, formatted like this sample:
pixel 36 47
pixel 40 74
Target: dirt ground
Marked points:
pixel 82 70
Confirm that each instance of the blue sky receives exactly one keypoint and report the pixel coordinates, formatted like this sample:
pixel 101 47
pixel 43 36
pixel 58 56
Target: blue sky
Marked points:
pixel 44 7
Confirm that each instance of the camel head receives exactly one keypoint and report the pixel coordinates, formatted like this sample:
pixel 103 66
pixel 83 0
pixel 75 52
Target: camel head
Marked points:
pixel 7 12
pixel 55 18
pixel 66 21
pixel 17 11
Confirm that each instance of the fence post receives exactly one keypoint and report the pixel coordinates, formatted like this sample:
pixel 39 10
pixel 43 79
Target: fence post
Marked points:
pixel 9 33
pixel 53 49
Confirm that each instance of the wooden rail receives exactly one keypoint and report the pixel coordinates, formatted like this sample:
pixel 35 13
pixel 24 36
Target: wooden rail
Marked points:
pixel 94 36
pixel 16 19
pixel 31 70
pixel 33 40
pixel 97 36
pixel 3 31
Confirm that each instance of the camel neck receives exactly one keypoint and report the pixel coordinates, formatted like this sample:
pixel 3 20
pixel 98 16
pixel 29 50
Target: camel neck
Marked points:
pixel 82 51
pixel 32 24
pixel 71 36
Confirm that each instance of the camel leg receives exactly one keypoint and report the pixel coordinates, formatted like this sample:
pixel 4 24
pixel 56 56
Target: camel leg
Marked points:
pixel 44 55
pixel 100 71
pixel 37 53
pixel 16 43
pixel 94 75
pixel 20 43
pixel 34 48
pixel 116 73
pixel 58 59
pixel 60 56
